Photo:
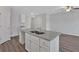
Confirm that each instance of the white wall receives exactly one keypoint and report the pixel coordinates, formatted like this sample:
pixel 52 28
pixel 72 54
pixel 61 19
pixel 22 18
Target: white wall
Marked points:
pixel 64 22
pixel 4 24
pixel 59 20
pixel 16 11
pixel 14 22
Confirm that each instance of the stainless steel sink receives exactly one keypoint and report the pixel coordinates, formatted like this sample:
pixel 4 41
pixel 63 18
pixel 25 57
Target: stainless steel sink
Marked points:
pixel 37 32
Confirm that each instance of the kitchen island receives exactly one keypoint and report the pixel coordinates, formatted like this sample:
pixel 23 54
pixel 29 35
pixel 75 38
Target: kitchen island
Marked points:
pixel 40 40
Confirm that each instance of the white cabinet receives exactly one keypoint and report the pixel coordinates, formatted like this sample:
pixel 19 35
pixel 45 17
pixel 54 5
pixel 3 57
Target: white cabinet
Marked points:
pixel 34 47
pixel 25 23
pixel 27 42
pixel 52 45
pixel 44 49
pixel 35 39
pixel 21 37
pixel 44 43
pixel 36 44
pixel 39 21
pixel 31 43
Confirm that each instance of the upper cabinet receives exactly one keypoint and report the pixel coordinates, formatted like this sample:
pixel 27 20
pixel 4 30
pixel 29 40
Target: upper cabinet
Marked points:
pixel 39 22
pixel 25 21
pixel 35 21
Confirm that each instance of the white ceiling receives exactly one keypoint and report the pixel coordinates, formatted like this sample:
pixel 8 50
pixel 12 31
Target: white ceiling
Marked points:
pixel 37 9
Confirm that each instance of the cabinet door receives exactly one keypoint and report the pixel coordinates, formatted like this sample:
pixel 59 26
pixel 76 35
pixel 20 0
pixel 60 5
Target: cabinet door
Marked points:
pixel 44 43
pixel 34 44
pixel 22 37
pixel 25 21
pixel 44 49
pixel 34 47
pixel 27 42
pixel 39 21
pixel 35 40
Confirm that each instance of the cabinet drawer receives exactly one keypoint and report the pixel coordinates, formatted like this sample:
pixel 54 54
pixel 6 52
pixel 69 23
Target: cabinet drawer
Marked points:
pixel 35 40
pixel 44 49
pixel 34 47
pixel 44 43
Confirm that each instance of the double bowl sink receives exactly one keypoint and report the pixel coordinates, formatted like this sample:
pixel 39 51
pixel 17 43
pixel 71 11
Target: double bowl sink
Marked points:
pixel 37 32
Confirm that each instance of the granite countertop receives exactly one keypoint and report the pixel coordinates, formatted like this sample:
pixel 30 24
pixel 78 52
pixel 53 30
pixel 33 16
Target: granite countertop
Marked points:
pixel 48 35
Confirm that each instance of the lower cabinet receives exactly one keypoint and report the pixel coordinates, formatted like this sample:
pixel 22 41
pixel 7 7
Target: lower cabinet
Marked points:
pixel 34 47
pixel 27 42
pixel 21 37
pixel 44 49
pixel 36 44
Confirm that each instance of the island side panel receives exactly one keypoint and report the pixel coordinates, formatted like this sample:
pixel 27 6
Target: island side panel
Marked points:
pixel 54 44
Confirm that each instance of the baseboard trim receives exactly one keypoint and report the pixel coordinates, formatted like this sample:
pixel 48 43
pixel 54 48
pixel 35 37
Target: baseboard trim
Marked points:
pixel 14 35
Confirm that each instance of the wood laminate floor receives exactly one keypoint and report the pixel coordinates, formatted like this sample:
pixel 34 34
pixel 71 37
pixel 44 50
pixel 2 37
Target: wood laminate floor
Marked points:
pixel 69 43
pixel 12 45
